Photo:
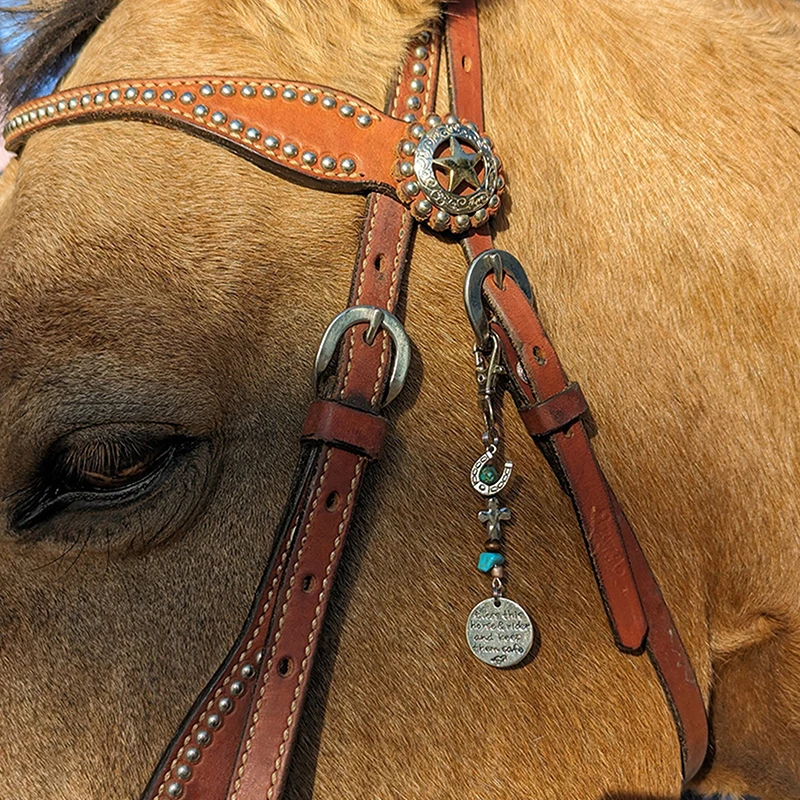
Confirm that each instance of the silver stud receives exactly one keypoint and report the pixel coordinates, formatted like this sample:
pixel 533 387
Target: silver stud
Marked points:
pixel 425 37
pixel 409 117
pixel 202 737
pixel 25 118
pixel 174 789
pixel 86 100
pixel 114 95
pixel 289 94
pixel 184 772
pixel 148 95
pixel 247 671
pixel 192 754
pixel 225 705
pixel 419 68
pixel 494 201
pixel 206 90
pixel 328 102
pixel 290 150
pixel 488 142
pixel 501 182
pixel 131 93
pixel 268 93
pixel 411 188
pixel 271 143
pixel 433 120
pixel 421 52
pixel 423 206
pixel 309 98
pixel 441 220
pixel 236 126
pixel 227 90
pixel 41 113
pixel 328 163
pixel 167 95
pixel 364 120
pixel 253 134
pixel 237 688
pixel 451 119
pixel 200 110
pixel 214 721
pixel 416 85
pixel 73 103
pixel 406 169
pixel 218 118
pixel 413 102
pixel 248 91
pixel 461 222
pixel 417 131
pixel 480 216
pixel 62 105
pixel 348 165
pixel 347 110
pixel 50 111
pixel 472 126
pixel 187 98
pixel 408 148
pixel 309 158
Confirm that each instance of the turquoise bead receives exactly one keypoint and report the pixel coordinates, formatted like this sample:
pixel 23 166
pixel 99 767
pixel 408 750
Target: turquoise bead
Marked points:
pixel 489 474
pixel 488 560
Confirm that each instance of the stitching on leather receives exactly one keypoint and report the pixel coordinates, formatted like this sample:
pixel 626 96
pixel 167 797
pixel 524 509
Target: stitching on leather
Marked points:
pixel 315 628
pixel 284 608
pixel 242 655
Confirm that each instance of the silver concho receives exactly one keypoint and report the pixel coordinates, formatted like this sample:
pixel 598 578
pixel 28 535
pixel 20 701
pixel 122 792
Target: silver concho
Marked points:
pixel 425 158
pixel 499 632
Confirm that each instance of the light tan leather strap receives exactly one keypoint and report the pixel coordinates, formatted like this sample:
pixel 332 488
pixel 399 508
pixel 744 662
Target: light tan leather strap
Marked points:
pixel 237 740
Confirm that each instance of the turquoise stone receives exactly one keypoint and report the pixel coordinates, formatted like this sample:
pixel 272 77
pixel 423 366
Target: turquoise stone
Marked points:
pixel 488 560
pixel 489 474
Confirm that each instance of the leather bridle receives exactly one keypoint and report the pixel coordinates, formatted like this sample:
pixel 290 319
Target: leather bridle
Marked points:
pixel 236 741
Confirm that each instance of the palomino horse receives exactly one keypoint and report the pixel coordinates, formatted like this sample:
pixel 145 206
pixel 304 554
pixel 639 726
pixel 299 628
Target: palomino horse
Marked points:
pixel 161 303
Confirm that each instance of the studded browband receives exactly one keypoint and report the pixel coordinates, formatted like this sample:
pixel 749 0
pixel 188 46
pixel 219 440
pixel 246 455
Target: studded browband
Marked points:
pixel 236 741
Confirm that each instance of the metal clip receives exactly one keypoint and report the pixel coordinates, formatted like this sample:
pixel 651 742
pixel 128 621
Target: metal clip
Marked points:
pixel 376 318
pixel 488 368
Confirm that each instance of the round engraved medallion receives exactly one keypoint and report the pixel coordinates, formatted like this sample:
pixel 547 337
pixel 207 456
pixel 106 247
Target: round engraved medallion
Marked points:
pixel 499 632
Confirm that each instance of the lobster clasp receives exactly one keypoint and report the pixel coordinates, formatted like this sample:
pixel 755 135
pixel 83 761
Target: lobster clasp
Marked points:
pixel 377 319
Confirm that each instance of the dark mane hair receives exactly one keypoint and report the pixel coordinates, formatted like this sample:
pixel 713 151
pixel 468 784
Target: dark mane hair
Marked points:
pixel 38 41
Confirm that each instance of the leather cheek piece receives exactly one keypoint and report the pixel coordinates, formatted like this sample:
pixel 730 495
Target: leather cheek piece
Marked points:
pixel 556 412
pixel 345 427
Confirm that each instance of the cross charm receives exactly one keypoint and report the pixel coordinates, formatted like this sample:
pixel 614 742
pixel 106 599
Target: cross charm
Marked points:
pixel 492 518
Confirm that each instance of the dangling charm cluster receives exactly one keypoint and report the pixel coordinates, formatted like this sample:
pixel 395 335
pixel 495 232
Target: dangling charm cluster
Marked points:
pixel 499 631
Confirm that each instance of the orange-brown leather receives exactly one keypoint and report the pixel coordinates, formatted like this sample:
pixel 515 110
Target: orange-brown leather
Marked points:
pixel 249 754
pixel 556 412
pixel 309 127
pixel 335 423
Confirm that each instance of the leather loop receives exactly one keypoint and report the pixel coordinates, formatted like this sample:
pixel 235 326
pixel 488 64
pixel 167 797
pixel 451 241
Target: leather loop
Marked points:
pixel 556 412
pixel 343 426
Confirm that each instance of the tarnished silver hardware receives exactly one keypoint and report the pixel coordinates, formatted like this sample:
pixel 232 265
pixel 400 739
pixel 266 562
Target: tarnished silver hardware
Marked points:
pixel 376 318
pixel 499 263
pixel 496 482
pixel 488 368
pixel 499 632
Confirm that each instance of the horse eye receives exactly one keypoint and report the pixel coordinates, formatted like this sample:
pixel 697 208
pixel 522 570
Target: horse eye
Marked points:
pixel 98 471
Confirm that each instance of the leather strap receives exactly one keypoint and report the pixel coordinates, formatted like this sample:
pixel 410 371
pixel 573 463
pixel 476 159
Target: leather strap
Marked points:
pixel 237 740
pixel 334 423
pixel 557 416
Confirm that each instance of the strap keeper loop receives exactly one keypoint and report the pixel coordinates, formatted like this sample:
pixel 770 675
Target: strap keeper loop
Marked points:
pixel 343 426
pixel 557 412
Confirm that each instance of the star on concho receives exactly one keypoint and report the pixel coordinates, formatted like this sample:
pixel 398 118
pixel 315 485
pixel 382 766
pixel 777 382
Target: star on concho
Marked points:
pixel 454 181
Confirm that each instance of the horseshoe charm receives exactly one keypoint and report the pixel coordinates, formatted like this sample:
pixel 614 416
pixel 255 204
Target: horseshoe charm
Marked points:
pixel 485 478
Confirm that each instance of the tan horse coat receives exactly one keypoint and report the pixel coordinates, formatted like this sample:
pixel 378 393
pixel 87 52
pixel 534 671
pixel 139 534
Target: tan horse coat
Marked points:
pixel 152 282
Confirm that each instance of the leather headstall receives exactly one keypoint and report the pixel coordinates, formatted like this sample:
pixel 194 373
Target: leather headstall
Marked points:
pixel 236 740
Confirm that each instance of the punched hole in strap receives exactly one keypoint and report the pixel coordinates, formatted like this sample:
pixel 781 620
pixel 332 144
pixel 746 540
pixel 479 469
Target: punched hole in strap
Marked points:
pixel 558 412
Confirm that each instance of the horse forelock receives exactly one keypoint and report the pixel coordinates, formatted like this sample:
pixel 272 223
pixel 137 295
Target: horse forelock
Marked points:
pixel 39 40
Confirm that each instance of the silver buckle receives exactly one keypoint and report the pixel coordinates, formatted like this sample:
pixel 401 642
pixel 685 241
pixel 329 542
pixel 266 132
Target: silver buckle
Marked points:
pixel 377 318
pixel 500 263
